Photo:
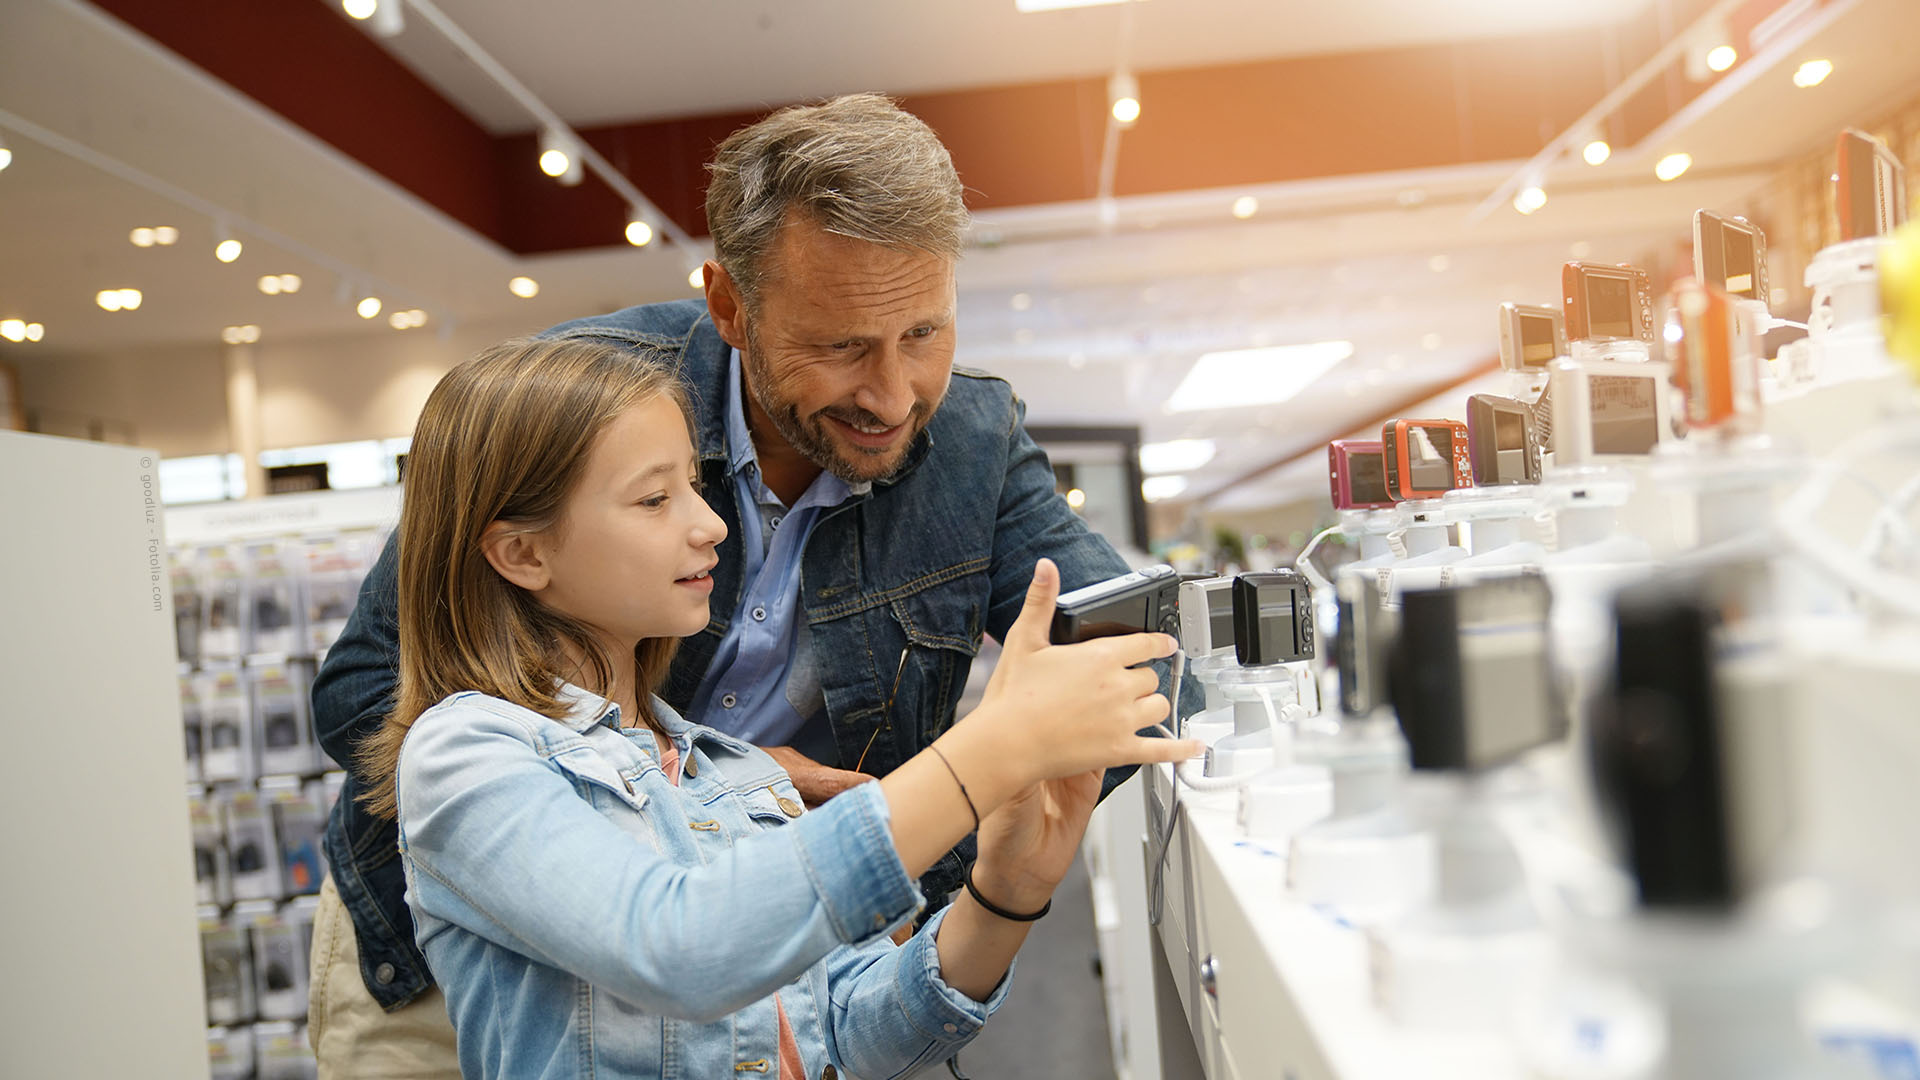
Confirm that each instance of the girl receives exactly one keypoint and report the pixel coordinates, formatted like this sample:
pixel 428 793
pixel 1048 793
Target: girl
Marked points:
pixel 603 888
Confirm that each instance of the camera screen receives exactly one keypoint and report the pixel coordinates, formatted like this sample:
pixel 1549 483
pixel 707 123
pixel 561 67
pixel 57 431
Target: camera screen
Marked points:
pixel 1509 430
pixel 1609 307
pixel 1537 346
pixel 1125 615
pixel 1430 453
pixel 1624 418
pixel 1508 697
pixel 1220 617
pixel 1367 476
pixel 1736 247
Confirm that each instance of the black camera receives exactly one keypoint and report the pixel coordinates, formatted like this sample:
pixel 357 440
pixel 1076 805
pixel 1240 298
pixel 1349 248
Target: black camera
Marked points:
pixel 1144 601
pixel 1471 675
pixel 1272 618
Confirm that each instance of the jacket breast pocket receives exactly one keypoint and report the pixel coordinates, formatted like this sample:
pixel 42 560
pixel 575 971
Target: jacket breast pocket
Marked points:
pixel 773 805
pixel 598 780
pixel 941 626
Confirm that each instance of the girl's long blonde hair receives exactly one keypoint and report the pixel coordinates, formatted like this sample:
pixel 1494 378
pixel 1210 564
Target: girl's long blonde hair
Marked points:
pixel 505 436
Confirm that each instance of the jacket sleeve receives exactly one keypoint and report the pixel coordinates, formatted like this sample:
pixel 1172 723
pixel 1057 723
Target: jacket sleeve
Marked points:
pixel 925 1019
pixel 353 691
pixel 499 843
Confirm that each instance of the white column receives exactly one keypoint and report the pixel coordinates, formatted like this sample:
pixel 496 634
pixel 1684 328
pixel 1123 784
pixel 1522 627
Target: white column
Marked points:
pixel 243 415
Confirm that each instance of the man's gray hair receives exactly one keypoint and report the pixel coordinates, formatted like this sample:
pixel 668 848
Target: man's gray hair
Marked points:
pixel 858 165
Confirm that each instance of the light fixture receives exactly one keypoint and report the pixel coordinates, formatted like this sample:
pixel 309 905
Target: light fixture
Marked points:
pixel 1175 456
pixel 384 18
pixel 560 156
pixel 1245 207
pixel 240 335
pixel 1260 376
pixel 35 331
pixel 1531 198
pixel 1709 50
pixel 639 230
pixel 1671 166
pixel 368 307
pixel 118 299
pixel 1161 488
pixel 13 329
pixel 165 235
pixel 524 287
pixel 1123 97
pixel 142 237
pixel 1021 301
pixel 270 284
pixel 6 155
pixel 1812 73
pixel 1076 498
pixel 408 319
pixel 697 277
pixel 361 9
pixel 1721 57
pixel 1596 152
pixel 130 299
pixel 290 283
pixel 227 250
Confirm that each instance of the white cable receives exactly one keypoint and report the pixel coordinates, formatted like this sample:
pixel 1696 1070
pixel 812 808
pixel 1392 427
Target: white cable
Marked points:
pixel 1199 781
pixel 1304 563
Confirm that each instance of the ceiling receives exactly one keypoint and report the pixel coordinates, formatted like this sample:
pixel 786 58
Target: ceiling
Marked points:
pixel 1093 323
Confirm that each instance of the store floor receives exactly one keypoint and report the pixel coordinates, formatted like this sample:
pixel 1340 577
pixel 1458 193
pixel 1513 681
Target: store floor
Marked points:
pixel 1053 1025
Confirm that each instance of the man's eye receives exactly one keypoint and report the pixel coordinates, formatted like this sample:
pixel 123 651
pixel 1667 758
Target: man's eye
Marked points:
pixel 921 332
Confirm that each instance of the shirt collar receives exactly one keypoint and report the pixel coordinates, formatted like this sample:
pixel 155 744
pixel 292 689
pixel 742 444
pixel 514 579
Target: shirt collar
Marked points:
pixel 586 709
pixel 829 489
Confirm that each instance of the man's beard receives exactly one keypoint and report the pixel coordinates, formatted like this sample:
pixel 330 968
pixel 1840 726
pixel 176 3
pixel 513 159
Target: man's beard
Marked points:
pixel 809 436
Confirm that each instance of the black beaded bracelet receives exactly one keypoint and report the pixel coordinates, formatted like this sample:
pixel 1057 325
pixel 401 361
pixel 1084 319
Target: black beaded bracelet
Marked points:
pixel 996 909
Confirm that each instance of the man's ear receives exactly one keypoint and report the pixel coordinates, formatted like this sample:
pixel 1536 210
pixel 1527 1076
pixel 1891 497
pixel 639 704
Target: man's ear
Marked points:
pixel 516 555
pixel 725 305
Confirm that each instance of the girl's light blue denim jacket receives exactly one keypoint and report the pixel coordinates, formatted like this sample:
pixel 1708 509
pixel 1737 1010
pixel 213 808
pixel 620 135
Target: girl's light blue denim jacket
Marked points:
pixel 588 918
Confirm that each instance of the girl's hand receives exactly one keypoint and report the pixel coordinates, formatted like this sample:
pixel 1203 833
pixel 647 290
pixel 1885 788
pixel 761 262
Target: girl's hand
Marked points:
pixel 1028 844
pixel 1060 710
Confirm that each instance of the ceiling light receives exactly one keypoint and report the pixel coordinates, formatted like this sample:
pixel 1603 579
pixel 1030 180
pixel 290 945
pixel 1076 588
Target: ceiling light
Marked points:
pixel 1439 263
pixel 1076 498
pixel 399 321
pixel 1812 73
pixel 1175 456
pixel 130 299
pixel 108 299
pixel 697 277
pixel 6 155
pixel 1721 57
pixel 165 235
pixel 560 156
pixel 384 18
pixel 368 307
pixel 1671 166
pixel 1262 376
pixel 1028 7
pixel 1021 301
pixel 524 287
pixel 13 329
pixel 142 237
pixel 361 9
pixel 1245 207
pixel 240 335
pixel 35 331
pixel 1597 152
pixel 227 250
pixel 639 232
pixel 1530 199
pixel 1123 97
pixel 270 285
pixel 1160 488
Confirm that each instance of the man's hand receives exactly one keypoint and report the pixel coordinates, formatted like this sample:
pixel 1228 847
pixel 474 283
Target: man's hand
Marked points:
pixel 816 782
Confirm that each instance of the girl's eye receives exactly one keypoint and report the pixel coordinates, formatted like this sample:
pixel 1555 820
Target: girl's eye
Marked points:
pixel 654 502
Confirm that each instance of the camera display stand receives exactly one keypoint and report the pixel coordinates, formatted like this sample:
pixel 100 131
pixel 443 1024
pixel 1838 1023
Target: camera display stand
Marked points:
pixel 1368 859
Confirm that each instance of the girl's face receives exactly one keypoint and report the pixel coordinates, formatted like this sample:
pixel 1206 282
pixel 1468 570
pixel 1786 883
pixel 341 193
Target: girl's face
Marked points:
pixel 631 553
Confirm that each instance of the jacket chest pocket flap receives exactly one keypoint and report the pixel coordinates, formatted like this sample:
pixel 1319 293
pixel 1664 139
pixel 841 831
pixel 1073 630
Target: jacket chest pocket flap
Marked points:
pixel 585 767
pixel 773 804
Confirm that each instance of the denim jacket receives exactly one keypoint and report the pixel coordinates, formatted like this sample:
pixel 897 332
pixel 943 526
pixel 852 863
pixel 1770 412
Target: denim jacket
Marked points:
pixel 589 917
pixel 922 565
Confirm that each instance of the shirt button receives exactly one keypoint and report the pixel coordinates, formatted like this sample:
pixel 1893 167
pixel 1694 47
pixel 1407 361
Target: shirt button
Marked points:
pixel 760 614
pixel 728 701
pixel 383 974
pixel 777 519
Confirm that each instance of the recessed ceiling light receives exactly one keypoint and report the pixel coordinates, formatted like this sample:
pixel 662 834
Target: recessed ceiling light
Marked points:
pixel 1175 456
pixel 1812 73
pixel 1076 498
pixel 1530 199
pixel 240 335
pixel 13 329
pixel 35 331
pixel 270 284
pixel 368 307
pixel 361 9
pixel 227 250
pixel 1160 488
pixel 1671 166
pixel 1721 57
pixel 6 155
pixel 1123 97
pixel 141 237
pixel 1597 152
pixel 639 233
pixel 1245 207
pixel 1262 376
pixel 108 299
pixel 290 283
pixel 697 277
pixel 524 287
pixel 165 235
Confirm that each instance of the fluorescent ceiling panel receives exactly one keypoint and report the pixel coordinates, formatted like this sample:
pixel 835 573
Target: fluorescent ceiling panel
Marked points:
pixel 1264 376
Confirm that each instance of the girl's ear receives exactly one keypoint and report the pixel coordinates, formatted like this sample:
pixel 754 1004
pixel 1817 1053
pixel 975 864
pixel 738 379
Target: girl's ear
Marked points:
pixel 515 555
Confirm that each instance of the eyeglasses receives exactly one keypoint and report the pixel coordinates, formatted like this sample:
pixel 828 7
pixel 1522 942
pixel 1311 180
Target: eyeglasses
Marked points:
pixel 886 717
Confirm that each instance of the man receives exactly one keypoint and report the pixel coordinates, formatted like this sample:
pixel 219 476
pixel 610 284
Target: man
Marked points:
pixel 883 509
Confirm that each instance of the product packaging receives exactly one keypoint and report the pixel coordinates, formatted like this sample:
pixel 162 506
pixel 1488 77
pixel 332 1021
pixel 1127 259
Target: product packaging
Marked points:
pixel 273 593
pixel 279 693
pixel 228 965
pixel 193 723
pixel 336 563
pixel 279 967
pixel 299 823
pixel 230 1053
pixel 253 854
pixel 223 594
pixel 187 611
pixel 280 1052
pixel 226 752
pixel 300 911
pixel 211 881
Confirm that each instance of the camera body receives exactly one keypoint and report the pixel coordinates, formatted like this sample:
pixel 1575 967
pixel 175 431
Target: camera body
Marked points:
pixel 1607 302
pixel 1272 618
pixel 1144 601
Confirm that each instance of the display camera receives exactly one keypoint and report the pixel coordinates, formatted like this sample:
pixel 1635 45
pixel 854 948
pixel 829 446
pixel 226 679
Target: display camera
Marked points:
pixel 1609 409
pixel 1471 675
pixel 1716 363
pixel 1206 616
pixel 1272 618
pixel 1146 600
pixel 1657 751
pixel 1531 337
pixel 1607 303
pixel 1357 475
pixel 1730 253
pixel 1501 441
pixel 1870 189
pixel 1359 645
pixel 1425 459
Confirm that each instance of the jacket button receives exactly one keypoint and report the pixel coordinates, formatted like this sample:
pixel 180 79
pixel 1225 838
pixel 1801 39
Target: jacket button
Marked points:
pixel 692 768
pixel 788 806
pixel 728 701
pixel 383 974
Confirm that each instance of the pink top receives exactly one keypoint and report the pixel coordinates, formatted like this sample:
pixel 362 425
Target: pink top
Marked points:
pixel 791 1067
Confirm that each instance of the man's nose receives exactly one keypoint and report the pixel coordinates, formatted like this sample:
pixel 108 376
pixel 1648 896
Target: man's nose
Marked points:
pixel 886 391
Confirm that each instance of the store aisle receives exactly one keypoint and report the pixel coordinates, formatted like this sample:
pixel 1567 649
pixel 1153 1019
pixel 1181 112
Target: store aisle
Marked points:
pixel 1053 1025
